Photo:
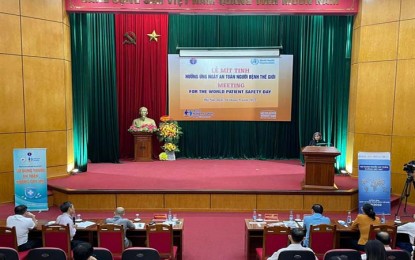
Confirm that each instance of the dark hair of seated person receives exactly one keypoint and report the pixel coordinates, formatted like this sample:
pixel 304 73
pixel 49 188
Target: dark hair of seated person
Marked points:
pixel 20 210
pixel 375 250
pixel 297 234
pixel 83 251
pixel 317 208
pixel 64 207
pixel 383 237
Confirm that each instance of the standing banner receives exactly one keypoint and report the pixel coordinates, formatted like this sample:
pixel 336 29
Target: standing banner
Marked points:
pixel 375 181
pixel 30 178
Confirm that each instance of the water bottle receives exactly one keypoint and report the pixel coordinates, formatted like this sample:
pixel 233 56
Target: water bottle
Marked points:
pixel 291 216
pixel 382 219
pixel 349 218
pixel 254 217
pixel 169 215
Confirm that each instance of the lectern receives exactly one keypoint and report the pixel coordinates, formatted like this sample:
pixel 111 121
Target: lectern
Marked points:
pixel 319 167
pixel 143 148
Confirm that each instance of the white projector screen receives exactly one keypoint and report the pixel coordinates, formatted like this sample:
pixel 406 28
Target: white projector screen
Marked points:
pixel 243 85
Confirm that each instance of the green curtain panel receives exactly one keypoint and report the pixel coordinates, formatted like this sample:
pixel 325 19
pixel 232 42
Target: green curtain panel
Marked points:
pixel 321 47
pixel 95 118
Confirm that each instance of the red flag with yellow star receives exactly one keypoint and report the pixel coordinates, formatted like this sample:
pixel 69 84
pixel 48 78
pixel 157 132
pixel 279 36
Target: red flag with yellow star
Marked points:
pixel 141 54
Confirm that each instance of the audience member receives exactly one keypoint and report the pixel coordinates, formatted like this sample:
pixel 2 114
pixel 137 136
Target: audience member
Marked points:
pixel 68 218
pixel 362 223
pixel 316 140
pixel 315 219
pixel 83 251
pixel 375 250
pixel 384 238
pixel 296 237
pixel 23 221
pixel 119 220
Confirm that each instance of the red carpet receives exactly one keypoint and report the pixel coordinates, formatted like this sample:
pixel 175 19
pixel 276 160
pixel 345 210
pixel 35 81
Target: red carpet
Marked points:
pixel 190 174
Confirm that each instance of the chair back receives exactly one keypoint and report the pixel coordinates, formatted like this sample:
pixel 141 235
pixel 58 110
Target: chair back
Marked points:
pixel 8 237
pixel 397 255
pixel 392 230
pixel 57 236
pixel 102 253
pixel 111 237
pixel 296 255
pixel 140 253
pixel 9 253
pixel 274 238
pixel 47 253
pixel 346 254
pixel 322 238
pixel 160 237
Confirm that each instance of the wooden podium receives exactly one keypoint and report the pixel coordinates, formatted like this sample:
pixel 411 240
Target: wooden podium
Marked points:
pixel 143 148
pixel 319 167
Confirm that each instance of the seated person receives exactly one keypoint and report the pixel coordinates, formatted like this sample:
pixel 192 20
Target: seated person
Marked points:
pixel 83 251
pixel 316 140
pixel 296 237
pixel 384 238
pixel 374 250
pixel 119 220
pixel 143 120
pixel 362 223
pixel 68 217
pixel 316 218
pixel 23 221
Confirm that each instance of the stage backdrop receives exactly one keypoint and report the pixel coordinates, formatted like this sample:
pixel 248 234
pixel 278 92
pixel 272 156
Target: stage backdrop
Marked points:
pixel 320 46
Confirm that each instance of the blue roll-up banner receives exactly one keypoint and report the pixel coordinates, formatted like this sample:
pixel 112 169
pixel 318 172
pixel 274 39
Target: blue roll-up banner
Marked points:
pixel 375 181
pixel 30 178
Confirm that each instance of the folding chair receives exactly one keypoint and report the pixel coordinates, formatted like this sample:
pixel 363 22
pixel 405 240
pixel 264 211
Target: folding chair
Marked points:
pixel 112 237
pixel 140 253
pixel 57 236
pixel 9 253
pixel 102 253
pixel 397 255
pixel 274 238
pixel 8 239
pixel 392 230
pixel 47 253
pixel 322 239
pixel 346 254
pixel 296 255
pixel 160 237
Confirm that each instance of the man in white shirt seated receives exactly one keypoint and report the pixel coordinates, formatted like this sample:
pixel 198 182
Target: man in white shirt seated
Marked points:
pixel 68 217
pixel 23 221
pixel 383 237
pixel 296 237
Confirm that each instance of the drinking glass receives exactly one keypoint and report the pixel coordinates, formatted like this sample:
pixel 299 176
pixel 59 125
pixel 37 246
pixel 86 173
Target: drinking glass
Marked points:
pixel 78 217
pixel 137 217
pixel 397 218
pixel 174 217
pixel 298 217
pixel 259 217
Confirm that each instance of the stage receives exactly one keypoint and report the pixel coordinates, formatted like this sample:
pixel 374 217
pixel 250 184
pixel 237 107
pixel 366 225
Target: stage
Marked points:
pixel 199 185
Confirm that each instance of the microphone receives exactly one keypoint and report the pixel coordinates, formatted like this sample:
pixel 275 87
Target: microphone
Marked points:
pixel 73 219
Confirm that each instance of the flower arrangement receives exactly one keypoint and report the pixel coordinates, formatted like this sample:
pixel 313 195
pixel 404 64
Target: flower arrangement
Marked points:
pixel 169 133
pixel 163 156
pixel 146 128
pixel 170 147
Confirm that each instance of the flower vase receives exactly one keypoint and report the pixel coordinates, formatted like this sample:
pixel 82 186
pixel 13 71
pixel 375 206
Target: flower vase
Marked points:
pixel 171 156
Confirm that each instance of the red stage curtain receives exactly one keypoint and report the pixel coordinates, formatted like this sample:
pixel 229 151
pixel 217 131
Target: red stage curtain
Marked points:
pixel 141 73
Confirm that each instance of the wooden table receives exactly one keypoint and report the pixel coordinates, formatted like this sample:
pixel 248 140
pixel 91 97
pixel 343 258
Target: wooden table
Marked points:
pixel 254 235
pixel 137 236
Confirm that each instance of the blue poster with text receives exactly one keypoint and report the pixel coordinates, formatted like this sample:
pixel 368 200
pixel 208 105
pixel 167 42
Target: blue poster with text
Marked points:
pixel 375 181
pixel 30 178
